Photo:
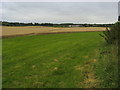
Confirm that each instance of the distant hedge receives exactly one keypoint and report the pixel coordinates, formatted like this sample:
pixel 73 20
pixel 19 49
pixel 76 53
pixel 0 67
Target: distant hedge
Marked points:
pixel 4 23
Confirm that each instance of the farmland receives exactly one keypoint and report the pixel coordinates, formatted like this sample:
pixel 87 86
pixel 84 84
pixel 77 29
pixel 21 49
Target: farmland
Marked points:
pixel 71 60
pixel 28 30
pixel 54 60
pixel 59 45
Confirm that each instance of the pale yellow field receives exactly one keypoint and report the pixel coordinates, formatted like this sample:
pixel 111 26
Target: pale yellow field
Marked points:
pixel 14 31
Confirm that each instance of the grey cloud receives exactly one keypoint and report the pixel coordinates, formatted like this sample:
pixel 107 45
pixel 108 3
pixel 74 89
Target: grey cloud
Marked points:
pixel 119 8
pixel 75 12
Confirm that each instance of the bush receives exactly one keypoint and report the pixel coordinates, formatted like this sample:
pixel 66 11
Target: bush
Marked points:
pixel 111 35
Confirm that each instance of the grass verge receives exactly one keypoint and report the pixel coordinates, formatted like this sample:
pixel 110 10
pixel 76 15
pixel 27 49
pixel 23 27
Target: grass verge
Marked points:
pixel 107 66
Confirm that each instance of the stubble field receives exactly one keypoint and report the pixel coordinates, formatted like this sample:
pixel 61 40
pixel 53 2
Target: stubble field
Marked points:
pixel 28 30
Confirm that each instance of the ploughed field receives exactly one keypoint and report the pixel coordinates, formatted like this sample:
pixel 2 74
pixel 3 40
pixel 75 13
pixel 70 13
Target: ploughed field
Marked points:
pixel 52 60
pixel 28 30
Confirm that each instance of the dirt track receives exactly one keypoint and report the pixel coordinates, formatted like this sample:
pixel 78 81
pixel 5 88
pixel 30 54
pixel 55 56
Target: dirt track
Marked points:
pixel 35 30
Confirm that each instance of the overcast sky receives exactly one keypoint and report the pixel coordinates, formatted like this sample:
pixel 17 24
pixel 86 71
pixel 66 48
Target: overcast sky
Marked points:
pixel 60 12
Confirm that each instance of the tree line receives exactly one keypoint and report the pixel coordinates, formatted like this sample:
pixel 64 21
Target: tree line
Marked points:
pixel 4 23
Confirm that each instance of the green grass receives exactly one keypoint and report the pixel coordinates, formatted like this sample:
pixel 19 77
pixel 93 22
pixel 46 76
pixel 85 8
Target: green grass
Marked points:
pixel 48 61
pixel 107 66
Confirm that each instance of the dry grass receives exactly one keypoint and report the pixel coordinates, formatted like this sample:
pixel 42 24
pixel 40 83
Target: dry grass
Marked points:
pixel 11 31
pixel 90 80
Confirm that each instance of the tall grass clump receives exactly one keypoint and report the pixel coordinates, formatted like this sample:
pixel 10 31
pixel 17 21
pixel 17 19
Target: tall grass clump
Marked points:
pixel 107 65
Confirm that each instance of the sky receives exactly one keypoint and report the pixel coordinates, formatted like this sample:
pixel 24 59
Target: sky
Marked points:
pixel 60 12
pixel 119 8
pixel 60 0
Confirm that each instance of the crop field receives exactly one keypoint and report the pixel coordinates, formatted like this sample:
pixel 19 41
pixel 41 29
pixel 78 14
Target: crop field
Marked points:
pixel 28 30
pixel 51 61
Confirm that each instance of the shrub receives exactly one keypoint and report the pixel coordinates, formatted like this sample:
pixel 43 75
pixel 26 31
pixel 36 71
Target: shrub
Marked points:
pixel 111 35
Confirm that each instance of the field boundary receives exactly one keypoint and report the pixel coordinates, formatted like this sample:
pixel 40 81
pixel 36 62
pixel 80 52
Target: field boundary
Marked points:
pixel 18 35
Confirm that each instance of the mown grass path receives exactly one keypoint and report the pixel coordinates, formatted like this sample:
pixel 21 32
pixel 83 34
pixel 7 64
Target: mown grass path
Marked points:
pixel 49 61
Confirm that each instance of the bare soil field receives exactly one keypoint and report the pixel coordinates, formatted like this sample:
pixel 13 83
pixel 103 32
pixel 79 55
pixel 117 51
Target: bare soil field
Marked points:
pixel 8 31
